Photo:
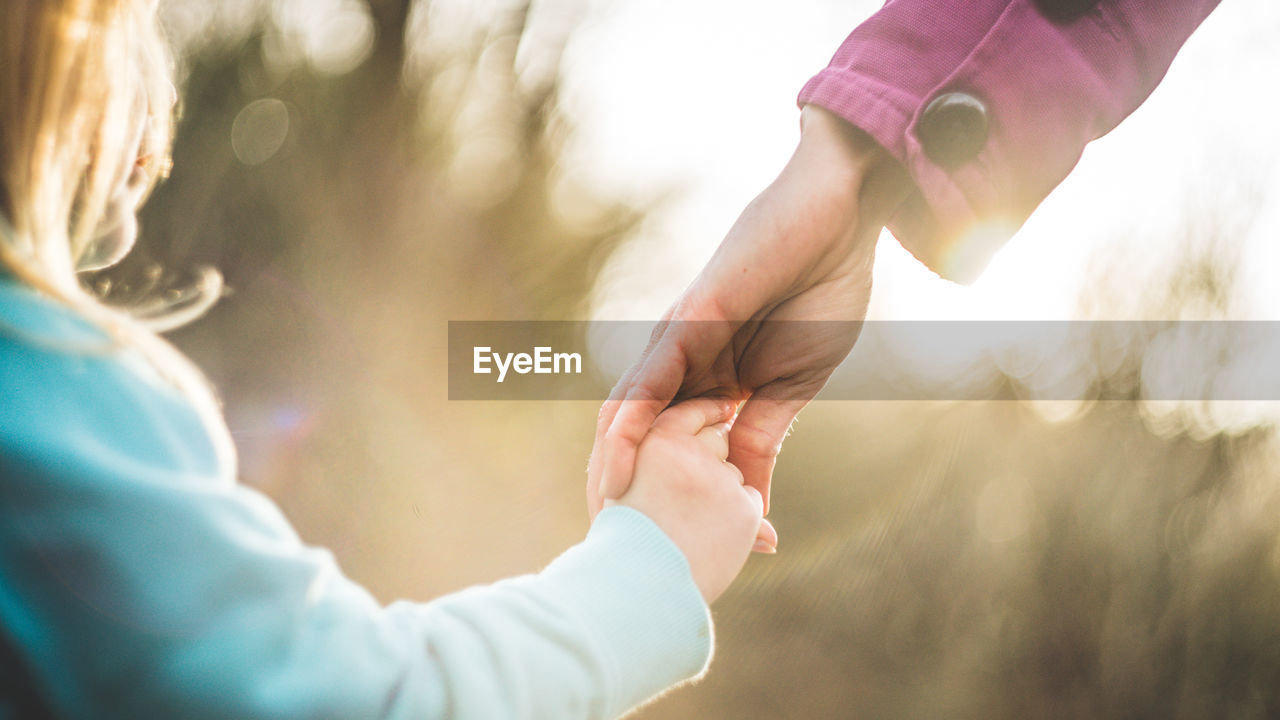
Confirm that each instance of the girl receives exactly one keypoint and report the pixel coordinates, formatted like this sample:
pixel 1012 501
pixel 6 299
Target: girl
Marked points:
pixel 138 580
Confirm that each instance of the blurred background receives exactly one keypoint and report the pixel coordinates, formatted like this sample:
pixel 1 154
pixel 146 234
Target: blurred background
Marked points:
pixel 363 171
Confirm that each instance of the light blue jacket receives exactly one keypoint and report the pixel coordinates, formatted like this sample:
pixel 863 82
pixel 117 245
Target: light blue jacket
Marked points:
pixel 138 580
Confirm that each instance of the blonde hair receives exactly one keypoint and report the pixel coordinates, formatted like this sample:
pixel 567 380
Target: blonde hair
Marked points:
pixel 77 77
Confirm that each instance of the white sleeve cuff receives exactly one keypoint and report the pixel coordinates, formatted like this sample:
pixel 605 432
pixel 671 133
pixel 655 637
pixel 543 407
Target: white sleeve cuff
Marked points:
pixel 634 592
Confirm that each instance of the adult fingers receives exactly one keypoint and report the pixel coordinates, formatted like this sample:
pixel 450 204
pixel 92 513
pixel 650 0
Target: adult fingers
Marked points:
pixel 766 536
pixel 682 348
pixel 751 270
pixel 595 466
pixel 643 400
pixel 756 437
pixel 608 412
pixel 609 409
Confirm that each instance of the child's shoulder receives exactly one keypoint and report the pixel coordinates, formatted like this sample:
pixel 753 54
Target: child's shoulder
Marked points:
pixel 70 394
pixel 30 319
pixel 47 352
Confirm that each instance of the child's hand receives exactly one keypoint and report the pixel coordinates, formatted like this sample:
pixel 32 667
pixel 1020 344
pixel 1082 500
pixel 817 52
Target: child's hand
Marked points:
pixel 684 484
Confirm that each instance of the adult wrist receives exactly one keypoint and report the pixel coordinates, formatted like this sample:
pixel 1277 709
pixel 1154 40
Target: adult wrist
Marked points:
pixel 853 163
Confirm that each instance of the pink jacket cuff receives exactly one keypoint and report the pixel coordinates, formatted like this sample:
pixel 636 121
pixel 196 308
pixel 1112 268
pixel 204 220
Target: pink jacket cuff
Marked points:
pixel 1046 87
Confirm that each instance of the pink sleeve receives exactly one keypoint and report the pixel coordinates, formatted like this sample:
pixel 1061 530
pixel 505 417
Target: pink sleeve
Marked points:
pixel 989 103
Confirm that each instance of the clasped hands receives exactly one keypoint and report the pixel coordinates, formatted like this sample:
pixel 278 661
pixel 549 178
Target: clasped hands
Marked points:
pixel 738 355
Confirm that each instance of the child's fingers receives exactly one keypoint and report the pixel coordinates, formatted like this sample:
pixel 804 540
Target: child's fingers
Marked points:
pixel 716 439
pixel 691 416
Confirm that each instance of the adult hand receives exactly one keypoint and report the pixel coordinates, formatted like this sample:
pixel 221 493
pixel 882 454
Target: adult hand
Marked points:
pixel 801 251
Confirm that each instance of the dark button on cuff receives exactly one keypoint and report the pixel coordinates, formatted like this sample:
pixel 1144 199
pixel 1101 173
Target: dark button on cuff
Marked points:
pixel 1064 10
pixel 953 129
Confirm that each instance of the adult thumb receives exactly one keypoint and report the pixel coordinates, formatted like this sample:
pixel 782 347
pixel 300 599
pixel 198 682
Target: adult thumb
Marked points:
pixel 756 437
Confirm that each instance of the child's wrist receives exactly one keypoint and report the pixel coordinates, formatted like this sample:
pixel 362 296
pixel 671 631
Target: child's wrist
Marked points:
pixel 636 597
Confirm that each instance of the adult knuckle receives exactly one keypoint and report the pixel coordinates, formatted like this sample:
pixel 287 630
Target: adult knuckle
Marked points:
pixel 618 437
pixel 755 442
pixel 703 304
pixel 646 391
